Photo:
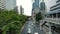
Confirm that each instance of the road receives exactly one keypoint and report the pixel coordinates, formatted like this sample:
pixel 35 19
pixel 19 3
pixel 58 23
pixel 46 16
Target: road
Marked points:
pixel 34 28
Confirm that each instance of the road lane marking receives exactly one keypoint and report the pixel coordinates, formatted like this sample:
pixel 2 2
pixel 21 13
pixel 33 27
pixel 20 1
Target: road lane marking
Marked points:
pixel 29 30
pixel 36 33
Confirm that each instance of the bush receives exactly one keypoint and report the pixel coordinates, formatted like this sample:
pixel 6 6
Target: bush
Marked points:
pixel 10 19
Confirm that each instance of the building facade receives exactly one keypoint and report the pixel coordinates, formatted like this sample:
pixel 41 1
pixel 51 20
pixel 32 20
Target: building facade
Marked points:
pixel 10 4
pixel 21 10
pixel 16 9
pixel 7 4
pixel 51 23
pixel 35 8
pixel 2 4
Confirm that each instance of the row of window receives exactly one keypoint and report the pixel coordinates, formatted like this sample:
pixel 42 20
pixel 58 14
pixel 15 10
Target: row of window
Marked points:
pixel 54 16
pixel 55 9
pixel 55 6
pixel 58 1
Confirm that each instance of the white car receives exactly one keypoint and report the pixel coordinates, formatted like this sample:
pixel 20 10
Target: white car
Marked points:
pixel 29 31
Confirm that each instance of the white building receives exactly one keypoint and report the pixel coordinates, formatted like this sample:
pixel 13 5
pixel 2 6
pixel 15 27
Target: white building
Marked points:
pixel 7 4
pixel 10 4
pixel 2 4
pixel 51 24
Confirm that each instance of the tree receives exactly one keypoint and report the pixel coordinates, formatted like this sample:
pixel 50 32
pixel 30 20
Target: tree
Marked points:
pixel 38 16
pixel 11 20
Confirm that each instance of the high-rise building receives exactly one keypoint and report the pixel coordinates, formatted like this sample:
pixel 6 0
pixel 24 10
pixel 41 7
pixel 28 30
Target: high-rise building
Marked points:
pixel 52 20
pixel 35 8
pixel 10 4
pixel 2 4
pixel 36 4
pixel 42 5
pixel 55 9
pixel 43 8
pixel 16 9
pixel 21 10
pixel 7 4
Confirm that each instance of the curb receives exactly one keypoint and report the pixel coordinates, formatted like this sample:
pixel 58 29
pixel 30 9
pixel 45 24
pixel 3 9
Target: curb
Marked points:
pixel 22 28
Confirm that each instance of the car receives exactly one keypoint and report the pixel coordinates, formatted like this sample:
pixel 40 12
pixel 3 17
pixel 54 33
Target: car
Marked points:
pixel 29 31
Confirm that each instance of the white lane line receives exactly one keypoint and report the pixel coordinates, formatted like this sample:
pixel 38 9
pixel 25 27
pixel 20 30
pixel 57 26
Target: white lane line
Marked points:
pixel 36 33
pixel 29 30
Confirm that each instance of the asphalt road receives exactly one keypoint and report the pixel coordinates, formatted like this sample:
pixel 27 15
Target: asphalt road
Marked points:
pixel 33 27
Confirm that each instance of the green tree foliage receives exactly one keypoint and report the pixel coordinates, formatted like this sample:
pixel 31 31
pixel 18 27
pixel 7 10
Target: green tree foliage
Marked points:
pixel 38 17
pixel 10 19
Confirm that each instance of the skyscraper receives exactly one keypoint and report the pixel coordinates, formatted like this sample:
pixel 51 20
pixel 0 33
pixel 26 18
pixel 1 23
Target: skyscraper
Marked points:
pixel 2 4
pixel 10 4
pixel 43 8
pixel 42 5
pixel 35 8
pixel 21 10
pixel 16 9
pixel 36 4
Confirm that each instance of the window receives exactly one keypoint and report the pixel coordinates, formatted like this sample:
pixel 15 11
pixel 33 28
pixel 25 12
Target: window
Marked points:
pixel 55 6
pixel 55 9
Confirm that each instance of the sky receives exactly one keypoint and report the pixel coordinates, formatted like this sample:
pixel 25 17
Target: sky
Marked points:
pixel 27 5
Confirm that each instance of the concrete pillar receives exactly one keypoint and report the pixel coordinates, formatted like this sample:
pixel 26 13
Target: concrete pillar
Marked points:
pixel 50 29
pixel 40 27
pixel 56 15
pixel 52 16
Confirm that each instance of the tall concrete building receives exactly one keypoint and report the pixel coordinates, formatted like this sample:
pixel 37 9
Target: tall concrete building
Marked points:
pixel 43 8
pixel 35 8
pixel 36 4
pixel 21 10
pixel 10 4
pixel 2 4
pixel 7 4
pixel 51 24
pixel 16 9
pixel 42 5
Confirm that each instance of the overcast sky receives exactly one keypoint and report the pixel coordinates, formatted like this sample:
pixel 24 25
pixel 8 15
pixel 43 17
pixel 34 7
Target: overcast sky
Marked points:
pixel 27 5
